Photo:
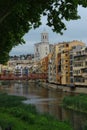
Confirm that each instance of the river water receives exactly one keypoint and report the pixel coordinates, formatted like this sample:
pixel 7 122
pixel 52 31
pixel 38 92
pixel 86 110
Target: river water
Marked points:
pixel 46 101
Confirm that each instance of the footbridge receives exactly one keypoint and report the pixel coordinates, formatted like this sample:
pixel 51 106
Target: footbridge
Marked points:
pixel 31 76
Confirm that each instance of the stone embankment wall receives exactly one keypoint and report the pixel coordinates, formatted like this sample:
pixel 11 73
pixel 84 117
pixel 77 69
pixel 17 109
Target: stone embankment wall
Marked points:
pixel 65 89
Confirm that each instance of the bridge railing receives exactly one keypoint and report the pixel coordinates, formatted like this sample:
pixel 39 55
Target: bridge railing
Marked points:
pixel 28 76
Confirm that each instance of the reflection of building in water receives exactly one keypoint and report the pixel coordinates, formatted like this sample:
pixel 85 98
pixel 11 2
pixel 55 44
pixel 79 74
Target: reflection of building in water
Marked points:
pixel 11 90
pixel 26 88
pixel 43 105
pixel 54 106
pixel 18 88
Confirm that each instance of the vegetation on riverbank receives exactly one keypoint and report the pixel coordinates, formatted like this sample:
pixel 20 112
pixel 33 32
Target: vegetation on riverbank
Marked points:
pixel 77 103
pixel 18 116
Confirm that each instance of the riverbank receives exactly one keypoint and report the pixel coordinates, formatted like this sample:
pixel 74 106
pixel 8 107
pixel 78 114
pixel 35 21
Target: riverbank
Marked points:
pixel 15 115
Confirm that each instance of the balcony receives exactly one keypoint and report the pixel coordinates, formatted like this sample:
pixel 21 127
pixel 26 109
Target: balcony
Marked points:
pixel 77 74
pixel 84 75
pixel 80 57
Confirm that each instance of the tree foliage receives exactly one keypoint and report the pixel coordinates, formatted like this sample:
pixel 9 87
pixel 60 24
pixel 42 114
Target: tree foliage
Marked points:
pixel 17 17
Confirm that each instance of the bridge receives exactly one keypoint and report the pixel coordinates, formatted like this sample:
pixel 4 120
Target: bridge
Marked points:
pixel 31 76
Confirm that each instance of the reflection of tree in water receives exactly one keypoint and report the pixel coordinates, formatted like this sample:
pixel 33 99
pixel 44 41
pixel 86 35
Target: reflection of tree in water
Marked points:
pixel 5 83
pixel 76 119
pixel 8 128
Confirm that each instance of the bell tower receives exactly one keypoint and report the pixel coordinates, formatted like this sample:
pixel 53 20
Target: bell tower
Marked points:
pixel 44 37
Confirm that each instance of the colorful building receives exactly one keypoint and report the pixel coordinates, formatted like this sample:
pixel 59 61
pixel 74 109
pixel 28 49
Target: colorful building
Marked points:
pixel 44 65
pixel 80 67
pixel 68 51
pixel 61 63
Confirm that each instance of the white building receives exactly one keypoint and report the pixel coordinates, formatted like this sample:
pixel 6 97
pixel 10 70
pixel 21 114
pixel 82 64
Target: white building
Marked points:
pixel 41 49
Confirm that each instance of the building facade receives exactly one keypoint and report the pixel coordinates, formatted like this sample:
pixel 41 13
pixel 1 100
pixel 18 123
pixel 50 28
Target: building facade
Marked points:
pixel 61 65
pixel 80 67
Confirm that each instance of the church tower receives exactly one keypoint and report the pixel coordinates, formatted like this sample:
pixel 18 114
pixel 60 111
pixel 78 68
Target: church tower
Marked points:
pixel 42 48
pixel 44 37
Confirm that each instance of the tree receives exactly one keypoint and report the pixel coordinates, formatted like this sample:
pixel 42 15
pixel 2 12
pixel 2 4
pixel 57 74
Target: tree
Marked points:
pixel 17 17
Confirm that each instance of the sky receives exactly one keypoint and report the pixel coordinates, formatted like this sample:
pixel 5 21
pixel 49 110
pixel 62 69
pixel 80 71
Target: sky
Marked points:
pixel 76 30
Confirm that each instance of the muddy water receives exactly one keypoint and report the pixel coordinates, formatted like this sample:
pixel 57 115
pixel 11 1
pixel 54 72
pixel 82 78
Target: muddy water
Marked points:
pixel 45 100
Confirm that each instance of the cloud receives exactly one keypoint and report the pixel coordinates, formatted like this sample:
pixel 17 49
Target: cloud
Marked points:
pixel 27 48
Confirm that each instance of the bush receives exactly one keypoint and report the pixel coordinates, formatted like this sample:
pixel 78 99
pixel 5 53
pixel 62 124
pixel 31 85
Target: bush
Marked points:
pixel 78 102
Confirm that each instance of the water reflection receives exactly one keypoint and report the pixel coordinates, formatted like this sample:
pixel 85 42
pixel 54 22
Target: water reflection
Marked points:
pixel 45 100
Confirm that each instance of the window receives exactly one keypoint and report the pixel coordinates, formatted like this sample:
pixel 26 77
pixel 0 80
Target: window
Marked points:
pixel 66 78
pixel 79 79
pixel 71 56
pixel 78 64
pixel 71 73
pixel 84 70
pixel 66 72
pixel 74 47
pixel 66 66
pixel 66 54
pixel 86 50
pixel 71 62
pixel 67 45
pixel 71 80
pixel 37 49
pixel 86 63
pixel 71 68
pixel 46 53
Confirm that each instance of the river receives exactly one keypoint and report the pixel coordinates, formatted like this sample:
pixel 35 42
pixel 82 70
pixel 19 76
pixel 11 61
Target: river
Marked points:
pixel 46 101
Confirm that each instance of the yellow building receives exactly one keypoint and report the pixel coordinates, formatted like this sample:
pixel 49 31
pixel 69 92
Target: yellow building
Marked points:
pixel 58 48
pixel 61 63
pixel 44 65
pixel 65 64
pixel 67 53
